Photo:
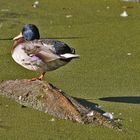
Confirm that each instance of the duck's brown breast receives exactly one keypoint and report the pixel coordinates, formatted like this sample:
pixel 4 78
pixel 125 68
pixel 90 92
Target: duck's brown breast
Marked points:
pixel 17 42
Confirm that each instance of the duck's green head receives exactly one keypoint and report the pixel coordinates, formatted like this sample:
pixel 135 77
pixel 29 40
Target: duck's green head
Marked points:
pixel 29 33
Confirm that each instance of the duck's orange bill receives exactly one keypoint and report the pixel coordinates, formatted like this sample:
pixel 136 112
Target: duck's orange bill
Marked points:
pixel 17 37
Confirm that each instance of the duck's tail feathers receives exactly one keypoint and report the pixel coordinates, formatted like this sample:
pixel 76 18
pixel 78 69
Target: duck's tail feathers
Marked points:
pixel 69 56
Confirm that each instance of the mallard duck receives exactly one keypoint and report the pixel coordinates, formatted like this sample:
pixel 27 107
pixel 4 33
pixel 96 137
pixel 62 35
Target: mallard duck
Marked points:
pixel 40 55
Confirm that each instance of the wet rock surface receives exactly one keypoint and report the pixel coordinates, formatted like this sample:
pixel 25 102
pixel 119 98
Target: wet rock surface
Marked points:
pixel 45 97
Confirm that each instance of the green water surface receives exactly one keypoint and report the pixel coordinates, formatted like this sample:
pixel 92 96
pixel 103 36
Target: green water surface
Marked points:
pixel 109 46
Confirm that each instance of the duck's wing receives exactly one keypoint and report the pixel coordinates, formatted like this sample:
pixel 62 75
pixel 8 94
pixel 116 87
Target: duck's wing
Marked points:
pixel 47 50
pixel 60 49
pixel 37 49
pixel 57 47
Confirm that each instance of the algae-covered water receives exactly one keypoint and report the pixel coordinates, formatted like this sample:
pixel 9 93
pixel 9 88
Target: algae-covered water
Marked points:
pixel 108 72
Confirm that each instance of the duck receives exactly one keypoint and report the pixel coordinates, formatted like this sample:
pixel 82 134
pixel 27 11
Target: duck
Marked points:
pixel 40 55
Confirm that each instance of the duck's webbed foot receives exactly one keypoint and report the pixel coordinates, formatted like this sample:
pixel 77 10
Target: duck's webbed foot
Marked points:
pixel 41 77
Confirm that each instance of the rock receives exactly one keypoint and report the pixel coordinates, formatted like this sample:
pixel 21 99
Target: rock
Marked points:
pixel 45 97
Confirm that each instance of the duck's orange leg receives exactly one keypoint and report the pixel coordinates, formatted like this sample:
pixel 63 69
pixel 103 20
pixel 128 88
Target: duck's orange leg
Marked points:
pixel 41 77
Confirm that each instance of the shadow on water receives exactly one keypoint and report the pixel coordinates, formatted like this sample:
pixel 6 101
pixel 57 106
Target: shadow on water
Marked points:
pixel 1 39
pixel 10 38
pixel 4 127
pixel 86 103
pixel 123 99
pixel 72 37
